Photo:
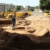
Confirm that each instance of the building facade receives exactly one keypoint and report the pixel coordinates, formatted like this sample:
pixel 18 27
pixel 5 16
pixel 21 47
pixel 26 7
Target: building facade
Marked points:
pixel 4 7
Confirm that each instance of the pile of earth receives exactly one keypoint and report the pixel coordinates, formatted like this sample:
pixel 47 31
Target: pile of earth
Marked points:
pixel 5 21
pixel 15 41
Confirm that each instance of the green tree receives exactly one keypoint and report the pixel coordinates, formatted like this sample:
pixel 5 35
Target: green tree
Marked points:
pixel 9 10
pixel 31 9
pixel 19 7
pixel 45 4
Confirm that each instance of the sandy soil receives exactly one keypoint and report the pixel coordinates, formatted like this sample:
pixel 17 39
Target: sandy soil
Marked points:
pixel 32 33
pixel 37 26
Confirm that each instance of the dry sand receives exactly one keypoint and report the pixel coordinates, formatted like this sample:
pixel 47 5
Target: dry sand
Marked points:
pixel 37 25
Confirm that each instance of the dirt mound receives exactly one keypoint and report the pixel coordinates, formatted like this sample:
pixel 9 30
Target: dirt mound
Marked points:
pixel 9 41
pixel 5 21
pixel 14 41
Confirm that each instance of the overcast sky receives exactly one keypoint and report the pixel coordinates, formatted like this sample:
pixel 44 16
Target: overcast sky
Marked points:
pixel 21 2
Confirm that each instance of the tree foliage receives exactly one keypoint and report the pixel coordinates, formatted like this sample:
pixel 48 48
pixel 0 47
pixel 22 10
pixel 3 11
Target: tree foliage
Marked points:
pixel 19 7
pixel 9 10
pixel 31 9
pixel 45 4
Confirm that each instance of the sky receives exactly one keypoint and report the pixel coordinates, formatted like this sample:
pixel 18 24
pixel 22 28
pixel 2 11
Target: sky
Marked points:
pixel 21 2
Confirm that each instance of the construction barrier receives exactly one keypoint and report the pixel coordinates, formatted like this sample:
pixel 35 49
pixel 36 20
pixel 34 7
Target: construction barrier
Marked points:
pixel 46 14
pixel 19 14
pixel 7 13
pixel 29 13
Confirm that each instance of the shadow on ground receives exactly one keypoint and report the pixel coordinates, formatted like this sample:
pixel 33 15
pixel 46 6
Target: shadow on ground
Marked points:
pixel 9 41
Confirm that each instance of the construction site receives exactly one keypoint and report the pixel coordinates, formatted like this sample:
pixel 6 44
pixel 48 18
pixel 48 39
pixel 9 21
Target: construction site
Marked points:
pixel 32 31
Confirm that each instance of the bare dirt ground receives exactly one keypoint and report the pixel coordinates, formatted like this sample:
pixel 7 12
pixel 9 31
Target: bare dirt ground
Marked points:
pixel 16 41
pixel 37 26
pixel 29 34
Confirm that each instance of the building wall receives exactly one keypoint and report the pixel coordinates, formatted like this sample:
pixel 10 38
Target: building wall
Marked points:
pixel 2 8
pixel 5 7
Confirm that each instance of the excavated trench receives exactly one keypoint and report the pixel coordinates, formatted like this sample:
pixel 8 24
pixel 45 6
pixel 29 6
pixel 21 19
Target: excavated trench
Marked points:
pixel 5 21
pixel 15 41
